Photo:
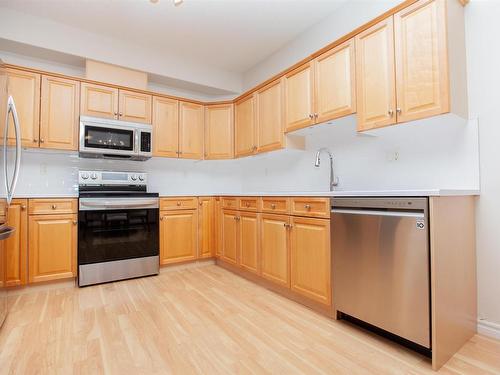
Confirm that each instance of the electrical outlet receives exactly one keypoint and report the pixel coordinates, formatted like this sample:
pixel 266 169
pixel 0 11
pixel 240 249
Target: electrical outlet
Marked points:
pixel 43 169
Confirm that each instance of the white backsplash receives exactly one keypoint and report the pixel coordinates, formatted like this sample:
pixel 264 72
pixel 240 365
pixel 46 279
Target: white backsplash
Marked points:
pixel 441 152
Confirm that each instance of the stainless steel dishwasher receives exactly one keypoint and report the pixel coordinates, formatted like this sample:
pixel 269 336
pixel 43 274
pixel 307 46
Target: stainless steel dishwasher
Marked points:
pixel 380 250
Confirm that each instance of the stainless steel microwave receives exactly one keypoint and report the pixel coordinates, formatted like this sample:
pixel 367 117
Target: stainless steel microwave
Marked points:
pixel 114 139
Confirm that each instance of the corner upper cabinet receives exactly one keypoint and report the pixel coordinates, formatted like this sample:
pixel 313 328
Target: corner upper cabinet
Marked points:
pixel 191 128
pixel 165 127
pixel 25 89
pixel 375 76
pixel 244 126
pixel 60 112
pixel 134 106
pixel 299 97
pixel 270 117
pixel 334 83
pixel 219 130
pixel 99 101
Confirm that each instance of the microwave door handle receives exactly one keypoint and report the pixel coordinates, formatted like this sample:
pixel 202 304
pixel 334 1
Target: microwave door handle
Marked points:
pixel 17 129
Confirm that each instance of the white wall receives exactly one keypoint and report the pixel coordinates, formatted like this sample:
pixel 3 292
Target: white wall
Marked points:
pixel 483 53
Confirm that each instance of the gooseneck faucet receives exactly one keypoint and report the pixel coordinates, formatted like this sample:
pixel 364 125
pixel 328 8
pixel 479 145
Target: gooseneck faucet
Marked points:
pixel 334 181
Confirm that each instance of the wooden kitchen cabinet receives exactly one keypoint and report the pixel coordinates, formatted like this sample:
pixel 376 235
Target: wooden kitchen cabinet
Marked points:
pixel 16 247
pixel 60 112
pixel 165 127
pixel 244 127
pixel 218 227
pixel 230 236
pixel 219 131
pixel 299 97
pixel 421 60
pixel 25 89
pixel 310 258
pixel 270 117
pixel 178 236
pixel 99 101
pixel 375 76
pixel 191 130
pixel 52 247
pixel 248 241
pixel 206 226
pixel 134 106
pixel 334 83
pixel 275 254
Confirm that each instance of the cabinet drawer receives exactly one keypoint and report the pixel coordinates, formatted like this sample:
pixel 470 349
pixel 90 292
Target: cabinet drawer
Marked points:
pixel 178 203
pixel 249 204
pixel 230 202
pixel 52 206
pixel 279 205
pixel 314 207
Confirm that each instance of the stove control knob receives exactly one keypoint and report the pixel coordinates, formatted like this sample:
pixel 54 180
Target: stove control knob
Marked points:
pixel 141 177
pixel 133 177
pixel 93 176
pixel 85 175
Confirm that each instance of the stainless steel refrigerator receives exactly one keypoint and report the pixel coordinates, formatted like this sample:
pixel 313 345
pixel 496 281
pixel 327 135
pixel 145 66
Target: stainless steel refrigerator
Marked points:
pixel 10 161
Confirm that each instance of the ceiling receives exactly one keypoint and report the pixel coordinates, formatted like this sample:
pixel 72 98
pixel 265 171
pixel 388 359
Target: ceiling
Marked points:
pixel 233 35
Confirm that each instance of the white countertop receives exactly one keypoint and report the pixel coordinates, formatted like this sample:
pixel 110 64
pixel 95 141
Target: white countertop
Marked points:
pixel 337 193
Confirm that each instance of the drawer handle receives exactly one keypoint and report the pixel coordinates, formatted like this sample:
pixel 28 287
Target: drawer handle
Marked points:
pixel 23 207
pixel 178 203
pixel 161 218
pixel 229 203
pixel 54 206
pixel 75 222
pixel 247 204
pixel 273 206
pixel 307 206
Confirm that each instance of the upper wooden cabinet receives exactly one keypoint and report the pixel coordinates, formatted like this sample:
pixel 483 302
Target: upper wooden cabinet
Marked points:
pixel 134 106
pixel 99 101
pixel 244 126
pixel 191 130
pixel 60 113
pixel 16 246
pixel 334 83
pixel 165 127
pixel 178 236
pixel 25 89
pixel 270 117
pixel 421 60
pixel 375 76
pixel 219 134
pixel 299 97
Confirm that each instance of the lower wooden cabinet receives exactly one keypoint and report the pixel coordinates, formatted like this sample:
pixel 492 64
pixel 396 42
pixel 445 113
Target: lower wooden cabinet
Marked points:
pixel 248 238
pixel 310 259
pixel 178 236
pixel 206 227
pixel 16 246
pixel 218 227
pixel 275 255
pixel 52 247
pixel 230 236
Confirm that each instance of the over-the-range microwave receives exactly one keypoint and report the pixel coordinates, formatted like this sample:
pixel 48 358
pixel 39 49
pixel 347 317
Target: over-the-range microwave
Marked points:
pixel 105 138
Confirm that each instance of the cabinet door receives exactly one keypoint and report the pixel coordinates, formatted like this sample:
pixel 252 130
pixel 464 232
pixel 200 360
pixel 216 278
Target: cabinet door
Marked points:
pixel 218 227
pixel 134 106
pixel 421 60
pixel 60 112
pixel 219 140
pixel 299 100
pixel 244 126
pixel 206 226
pixel 178 236
pixel 99 101
pixel 16 246
pixel 375 76
pixel 165 127
pixel 230 236
pixel 310 262
pixel 275 257
pixel 25 89
pixel 52 247
pixel 270 119
pixel 335 83
pixel 249 236
pixel 191 131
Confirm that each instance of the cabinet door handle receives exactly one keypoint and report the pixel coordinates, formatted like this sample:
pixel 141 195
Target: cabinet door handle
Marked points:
pixel 307 206
pixel 247 204
pixel 178 203
pixel 161 218
pixel 120 114
pixel 273 206
pixel 54 206
pixel 315 115
pixel 35 140
pixel 75 222
pixel 398 111
pixel 390 112
pixel 311 116
pixel 23 207
pixel 42 140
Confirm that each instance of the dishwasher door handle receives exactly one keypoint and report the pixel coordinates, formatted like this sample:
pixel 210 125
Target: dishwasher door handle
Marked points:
pixel 417 215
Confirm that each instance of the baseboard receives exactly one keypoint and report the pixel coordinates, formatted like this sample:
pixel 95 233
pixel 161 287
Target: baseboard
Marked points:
pixel 489 329
pixel 189 264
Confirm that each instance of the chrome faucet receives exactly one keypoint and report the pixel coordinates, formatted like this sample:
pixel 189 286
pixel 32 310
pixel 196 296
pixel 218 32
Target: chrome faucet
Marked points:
pixel 334 181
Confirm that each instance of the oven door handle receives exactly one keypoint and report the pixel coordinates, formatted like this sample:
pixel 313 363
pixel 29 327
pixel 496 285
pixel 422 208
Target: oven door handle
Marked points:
pixel 88 204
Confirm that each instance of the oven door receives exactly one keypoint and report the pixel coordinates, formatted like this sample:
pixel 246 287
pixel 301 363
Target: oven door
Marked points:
pixel 105 137
pixel 115 229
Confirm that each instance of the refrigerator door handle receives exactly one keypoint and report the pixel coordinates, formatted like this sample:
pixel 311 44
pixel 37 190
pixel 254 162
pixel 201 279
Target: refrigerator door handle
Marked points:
pixel 11 108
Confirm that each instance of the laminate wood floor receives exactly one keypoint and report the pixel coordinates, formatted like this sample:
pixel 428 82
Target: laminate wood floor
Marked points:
pixel 202 320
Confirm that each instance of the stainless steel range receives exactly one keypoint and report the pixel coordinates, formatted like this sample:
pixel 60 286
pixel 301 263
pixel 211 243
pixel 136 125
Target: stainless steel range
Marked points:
pixel 118 227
